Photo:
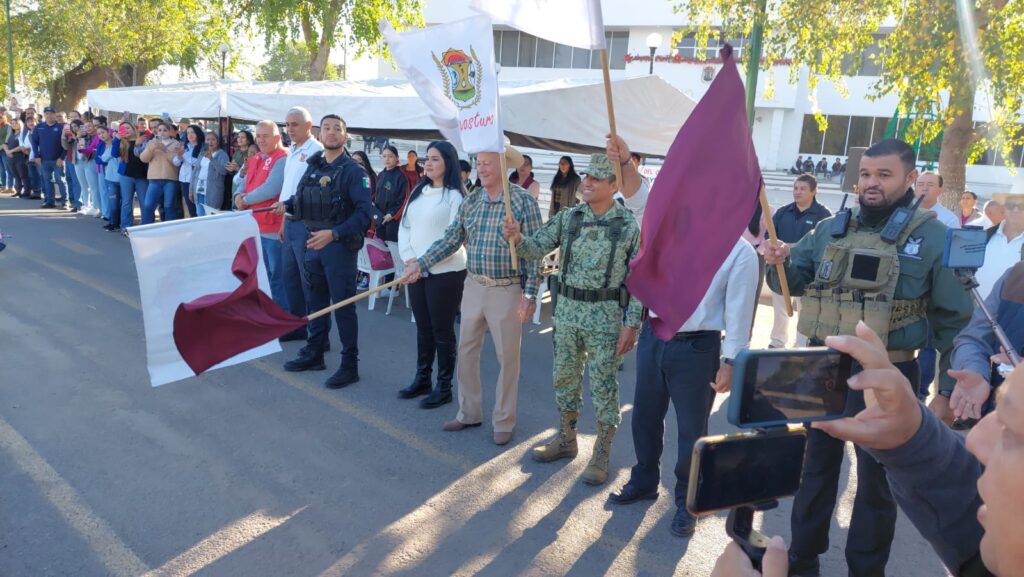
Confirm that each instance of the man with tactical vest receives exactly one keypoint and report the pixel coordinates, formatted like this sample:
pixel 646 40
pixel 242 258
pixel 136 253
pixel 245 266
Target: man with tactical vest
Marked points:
pixel 880 263
pixel 596 240
pixel 333 202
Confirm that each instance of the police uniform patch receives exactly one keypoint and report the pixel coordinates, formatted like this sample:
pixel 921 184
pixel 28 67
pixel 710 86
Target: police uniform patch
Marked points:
pixel 826 270
pixel 913 246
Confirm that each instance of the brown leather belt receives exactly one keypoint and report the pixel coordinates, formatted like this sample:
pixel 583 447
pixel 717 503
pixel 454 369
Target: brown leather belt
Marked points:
pixel 487 281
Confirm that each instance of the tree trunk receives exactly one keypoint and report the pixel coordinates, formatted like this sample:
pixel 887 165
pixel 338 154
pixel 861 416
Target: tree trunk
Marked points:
pixel 319 61
pixel 68 91
pixel 956 141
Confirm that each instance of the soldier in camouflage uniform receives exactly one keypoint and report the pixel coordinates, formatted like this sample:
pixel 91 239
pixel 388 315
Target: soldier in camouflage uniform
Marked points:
pixel 597 240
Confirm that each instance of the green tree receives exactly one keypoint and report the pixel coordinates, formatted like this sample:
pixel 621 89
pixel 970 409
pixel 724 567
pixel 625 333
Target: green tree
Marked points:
pixel 938 54
pixel 290 62
pixel 320 25
pixel 71 46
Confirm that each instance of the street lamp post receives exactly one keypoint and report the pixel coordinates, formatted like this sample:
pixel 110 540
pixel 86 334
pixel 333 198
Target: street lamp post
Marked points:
pixel 653 42
pixel 10 47
pixel 223 49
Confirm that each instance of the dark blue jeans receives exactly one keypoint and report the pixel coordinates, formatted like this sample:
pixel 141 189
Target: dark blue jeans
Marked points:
pixel 53 178
pixel 873 523
pixel 35 180
pixel 331 277
pixel 131 188
pixel 74 189
pixel 159 192
pixel 293 270
pixel 680 372
pixel 113 202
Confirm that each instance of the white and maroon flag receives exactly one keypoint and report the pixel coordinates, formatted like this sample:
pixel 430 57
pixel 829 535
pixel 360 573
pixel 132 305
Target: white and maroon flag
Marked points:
pixel 577 23
pixel 204 294
pixel 451 66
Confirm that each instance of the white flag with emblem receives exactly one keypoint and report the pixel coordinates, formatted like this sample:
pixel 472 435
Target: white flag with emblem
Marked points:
pixel 451 66
pixel 572 22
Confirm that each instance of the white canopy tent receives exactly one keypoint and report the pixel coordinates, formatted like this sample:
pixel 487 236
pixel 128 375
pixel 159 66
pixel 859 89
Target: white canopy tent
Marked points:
pixel 564 114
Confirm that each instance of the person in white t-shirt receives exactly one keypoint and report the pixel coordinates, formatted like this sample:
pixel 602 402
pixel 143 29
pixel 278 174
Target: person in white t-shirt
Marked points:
pixel 929 185
pixel 433 205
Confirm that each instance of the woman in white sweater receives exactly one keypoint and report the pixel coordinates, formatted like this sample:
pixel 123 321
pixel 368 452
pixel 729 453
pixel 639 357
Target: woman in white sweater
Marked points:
pixel 433 205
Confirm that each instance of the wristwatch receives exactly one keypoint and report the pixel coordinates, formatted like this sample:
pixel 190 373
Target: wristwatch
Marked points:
pixel 946 394
pixel 728 361
pixel 334 235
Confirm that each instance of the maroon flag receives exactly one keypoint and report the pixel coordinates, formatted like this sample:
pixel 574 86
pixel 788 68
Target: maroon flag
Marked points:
pixel 215 327
pixel 700 203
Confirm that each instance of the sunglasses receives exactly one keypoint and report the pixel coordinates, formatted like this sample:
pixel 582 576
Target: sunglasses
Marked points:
pixel 1015 206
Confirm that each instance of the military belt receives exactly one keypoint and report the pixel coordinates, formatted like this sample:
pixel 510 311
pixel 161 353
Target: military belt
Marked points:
pixel 493 282
pixel 901 356
pixel 907 312
pixel 588 295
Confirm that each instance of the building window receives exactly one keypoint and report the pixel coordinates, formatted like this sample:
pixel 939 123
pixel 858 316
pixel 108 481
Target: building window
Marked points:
pixel 835 136
pixel 518 49
pixel 811 138
pixel 687 46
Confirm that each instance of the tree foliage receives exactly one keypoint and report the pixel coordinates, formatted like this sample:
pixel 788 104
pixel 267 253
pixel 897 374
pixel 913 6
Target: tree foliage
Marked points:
pixel 934 54
pixel 73 45
pixel 321 25
pixel 290 61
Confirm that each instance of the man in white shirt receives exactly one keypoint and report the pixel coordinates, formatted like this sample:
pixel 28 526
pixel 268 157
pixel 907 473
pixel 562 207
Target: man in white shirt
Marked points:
pixel 992 215
pixel 929 185
pixel 688 370
pixel 299 125
pixel 1005 246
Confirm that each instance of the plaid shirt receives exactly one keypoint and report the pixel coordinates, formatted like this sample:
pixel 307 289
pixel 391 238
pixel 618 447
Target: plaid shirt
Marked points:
pixel 478 226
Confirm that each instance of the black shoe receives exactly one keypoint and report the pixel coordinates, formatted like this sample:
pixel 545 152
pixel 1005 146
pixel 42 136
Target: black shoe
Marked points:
pixel 683 524
pixel 294 336
pixel 420 386
pixel 630 494
pixel 800 566
pixel 344 377
pixel 307 360
pixel 109 227
pixel 48 205
pixel 437 398
pixel 74 209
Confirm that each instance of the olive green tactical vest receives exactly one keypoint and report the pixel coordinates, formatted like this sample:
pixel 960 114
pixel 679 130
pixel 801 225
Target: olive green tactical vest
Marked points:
pixel 857 280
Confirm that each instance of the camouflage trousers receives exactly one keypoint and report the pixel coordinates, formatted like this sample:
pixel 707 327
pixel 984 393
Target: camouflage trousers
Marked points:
pixel 573 346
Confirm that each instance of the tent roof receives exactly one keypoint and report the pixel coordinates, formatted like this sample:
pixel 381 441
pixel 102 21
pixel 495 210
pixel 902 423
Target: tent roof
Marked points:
pixel 563 114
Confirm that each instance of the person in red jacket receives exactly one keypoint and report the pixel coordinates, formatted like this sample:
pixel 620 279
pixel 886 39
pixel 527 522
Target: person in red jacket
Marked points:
pixel 264 176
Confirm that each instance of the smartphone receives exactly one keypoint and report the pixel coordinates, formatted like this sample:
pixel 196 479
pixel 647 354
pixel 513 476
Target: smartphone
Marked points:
pixel 779 386
pixel 747 468
pixel 965 248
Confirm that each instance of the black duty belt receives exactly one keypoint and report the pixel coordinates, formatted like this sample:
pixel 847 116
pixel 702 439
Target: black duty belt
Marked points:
pixel 693 335
pixel 588 295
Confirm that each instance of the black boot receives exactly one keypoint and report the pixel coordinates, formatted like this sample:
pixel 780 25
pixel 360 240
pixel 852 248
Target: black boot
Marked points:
pixel 345 376
pixel 308 360
pixel 442 395
pixel 424 368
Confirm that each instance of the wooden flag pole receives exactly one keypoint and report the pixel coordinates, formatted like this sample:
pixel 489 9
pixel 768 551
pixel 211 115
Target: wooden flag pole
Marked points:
pixel 773 239
pixel 611 110
pixel 508 207
pixel 350 300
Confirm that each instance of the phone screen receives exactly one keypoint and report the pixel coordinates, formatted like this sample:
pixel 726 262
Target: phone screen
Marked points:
pixel 965 248
pixel 745 469
pixel 799 387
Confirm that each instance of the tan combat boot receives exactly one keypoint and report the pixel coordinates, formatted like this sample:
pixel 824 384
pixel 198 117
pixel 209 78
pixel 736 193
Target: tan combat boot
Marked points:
pixel 563 446
pixel 596 472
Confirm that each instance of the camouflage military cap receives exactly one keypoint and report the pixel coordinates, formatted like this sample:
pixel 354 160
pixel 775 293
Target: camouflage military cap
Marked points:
pixel 600 167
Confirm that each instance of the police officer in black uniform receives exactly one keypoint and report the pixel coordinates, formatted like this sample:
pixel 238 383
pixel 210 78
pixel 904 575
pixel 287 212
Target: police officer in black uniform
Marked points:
pixel 333 201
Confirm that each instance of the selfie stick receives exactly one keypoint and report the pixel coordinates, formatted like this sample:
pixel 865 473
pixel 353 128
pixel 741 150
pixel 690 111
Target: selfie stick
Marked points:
pixel 740 526
pixel 966 277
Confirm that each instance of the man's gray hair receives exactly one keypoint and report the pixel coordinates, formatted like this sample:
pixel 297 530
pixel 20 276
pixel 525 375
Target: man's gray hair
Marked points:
pixel 306 116
pixel 269 124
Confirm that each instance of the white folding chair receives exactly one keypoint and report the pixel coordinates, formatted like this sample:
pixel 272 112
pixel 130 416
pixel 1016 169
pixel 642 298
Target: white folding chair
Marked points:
pixel 363 264
pixel 399 271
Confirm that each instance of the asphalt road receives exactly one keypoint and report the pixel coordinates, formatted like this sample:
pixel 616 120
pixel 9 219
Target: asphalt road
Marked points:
pixel 257 472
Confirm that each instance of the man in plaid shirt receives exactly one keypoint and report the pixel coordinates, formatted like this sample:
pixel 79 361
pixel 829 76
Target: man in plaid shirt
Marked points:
pixel 495 297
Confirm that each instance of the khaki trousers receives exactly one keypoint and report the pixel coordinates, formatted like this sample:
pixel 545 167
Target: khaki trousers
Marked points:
pixel 780 326
pixel 492 309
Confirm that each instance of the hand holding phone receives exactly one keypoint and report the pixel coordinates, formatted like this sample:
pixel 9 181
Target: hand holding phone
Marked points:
pixel 776 387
